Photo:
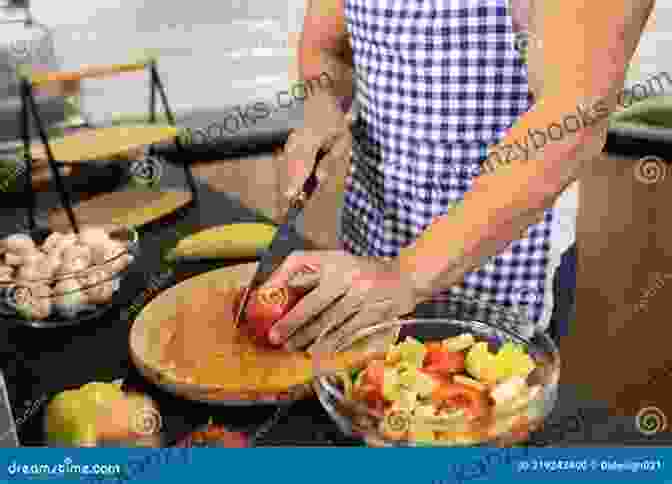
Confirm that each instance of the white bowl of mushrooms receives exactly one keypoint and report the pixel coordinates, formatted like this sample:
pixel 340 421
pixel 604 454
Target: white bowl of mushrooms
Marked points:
pixel 65 276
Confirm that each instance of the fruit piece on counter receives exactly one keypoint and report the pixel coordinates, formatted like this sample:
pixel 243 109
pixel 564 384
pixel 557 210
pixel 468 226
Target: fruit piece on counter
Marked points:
pixel 70 417
pixel 214 435
pixel 97 412
pixel 233 241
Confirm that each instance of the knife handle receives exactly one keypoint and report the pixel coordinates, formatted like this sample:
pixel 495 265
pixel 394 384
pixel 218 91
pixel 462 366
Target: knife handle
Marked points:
pixel 311 183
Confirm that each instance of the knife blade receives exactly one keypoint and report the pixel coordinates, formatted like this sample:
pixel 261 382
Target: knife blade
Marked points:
pixel 277 251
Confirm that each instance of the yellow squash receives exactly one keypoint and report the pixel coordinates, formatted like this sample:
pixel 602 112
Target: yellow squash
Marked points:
pixel 234 241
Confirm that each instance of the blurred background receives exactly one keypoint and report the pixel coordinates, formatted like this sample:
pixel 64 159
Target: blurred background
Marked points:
pixel 212 54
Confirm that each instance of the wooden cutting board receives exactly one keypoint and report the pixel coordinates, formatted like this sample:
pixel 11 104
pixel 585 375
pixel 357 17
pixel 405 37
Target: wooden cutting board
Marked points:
pixel 102 143
pixel 193 322
pixel 129 209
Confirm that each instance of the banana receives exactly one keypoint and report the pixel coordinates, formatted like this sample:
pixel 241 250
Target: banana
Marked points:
pixel 234 241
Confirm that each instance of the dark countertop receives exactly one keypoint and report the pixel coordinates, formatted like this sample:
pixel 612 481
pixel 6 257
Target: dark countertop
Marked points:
pixel 38 363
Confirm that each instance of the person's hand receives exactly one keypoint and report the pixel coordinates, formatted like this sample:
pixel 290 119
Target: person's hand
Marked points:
pixel 352 293
pixel 325 127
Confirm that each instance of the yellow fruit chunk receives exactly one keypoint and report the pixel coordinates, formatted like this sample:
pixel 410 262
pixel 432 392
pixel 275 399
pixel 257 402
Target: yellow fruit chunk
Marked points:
pixel 481 364
pixel 510 361
pixel 513 361
pixel 70 418
pixel 234 241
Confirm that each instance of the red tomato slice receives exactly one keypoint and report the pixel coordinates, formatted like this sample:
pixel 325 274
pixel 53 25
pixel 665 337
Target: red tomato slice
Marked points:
pixel 444 362
pixel 266 307
pixel 374 374
pixel 472 401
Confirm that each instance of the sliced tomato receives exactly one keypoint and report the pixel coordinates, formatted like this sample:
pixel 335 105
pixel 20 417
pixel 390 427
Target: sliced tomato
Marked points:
pixel 371 396
pixel 374 374
pixel 266 307
pixel 443 362
pixel 473 402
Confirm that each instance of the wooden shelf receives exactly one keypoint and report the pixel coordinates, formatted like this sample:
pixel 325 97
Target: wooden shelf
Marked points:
pixel 129 208
pixel 102 143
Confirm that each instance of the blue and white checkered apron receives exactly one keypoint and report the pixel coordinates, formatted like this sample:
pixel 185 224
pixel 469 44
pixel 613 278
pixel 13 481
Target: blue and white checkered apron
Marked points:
pixel 438 81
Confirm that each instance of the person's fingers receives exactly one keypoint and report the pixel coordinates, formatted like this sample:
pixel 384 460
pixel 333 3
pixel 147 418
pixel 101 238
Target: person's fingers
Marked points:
pixel 339 152
pixel 295 263
pixel 330 318
pixel 341 149
pixel 370 315
pixel 308 307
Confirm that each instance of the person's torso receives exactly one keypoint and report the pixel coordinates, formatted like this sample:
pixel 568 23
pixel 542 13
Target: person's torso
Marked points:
pixel 437 83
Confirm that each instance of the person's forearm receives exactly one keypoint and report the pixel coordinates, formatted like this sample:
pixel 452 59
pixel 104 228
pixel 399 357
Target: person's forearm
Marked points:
pixel 501 204
pixel 325 54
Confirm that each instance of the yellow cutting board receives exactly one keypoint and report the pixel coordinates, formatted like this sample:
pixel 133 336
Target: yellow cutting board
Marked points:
pixel 193 322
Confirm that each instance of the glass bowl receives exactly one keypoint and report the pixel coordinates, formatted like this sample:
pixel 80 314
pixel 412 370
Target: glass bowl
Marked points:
pixel 54 286
pixel 395 425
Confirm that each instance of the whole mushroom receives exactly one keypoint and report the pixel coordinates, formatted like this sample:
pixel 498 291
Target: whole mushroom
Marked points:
pixel 77 251
pixel 41 305
pixel 32 273
pixel 51 242
pixel 18 244
pixel 31 302
pixel 69 299
pixel 6 273
pixel 99 286
pixel 114 257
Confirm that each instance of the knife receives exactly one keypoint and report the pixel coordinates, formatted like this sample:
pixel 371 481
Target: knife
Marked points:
pixel 277 251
